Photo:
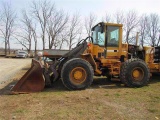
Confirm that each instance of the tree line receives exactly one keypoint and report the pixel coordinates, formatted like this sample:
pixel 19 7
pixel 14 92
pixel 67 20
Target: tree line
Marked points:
pixel 54 27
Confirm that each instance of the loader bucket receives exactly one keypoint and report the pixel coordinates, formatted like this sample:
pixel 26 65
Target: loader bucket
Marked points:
pixel 31 81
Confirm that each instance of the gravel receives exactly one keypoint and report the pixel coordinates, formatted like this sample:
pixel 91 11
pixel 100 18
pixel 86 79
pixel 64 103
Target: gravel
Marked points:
pixel 10 66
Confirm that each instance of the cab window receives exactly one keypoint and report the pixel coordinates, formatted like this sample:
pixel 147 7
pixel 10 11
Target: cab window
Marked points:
pixel 113 36
pixel 98 36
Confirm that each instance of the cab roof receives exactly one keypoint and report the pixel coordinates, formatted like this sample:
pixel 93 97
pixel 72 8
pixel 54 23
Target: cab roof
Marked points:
pixel 109 24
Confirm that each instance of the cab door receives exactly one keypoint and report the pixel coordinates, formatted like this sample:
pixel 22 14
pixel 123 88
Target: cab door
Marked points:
pixel 114 40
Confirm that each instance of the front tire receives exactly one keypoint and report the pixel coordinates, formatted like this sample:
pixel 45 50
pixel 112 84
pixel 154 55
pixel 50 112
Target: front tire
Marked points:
pixel 134 73
pixel 77 74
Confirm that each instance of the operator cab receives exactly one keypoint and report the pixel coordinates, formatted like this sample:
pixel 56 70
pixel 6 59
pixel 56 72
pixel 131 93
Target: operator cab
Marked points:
pixel 107 40
pixel 106 35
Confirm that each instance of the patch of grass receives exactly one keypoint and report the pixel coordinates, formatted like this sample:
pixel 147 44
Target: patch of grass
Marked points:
pixel 80 112
pixel 20 111
pixel 154 99
pixel 99 117
pixel 152 110
pixel 99 107
pixel 157 97
pixel 106 94
pixel 117 94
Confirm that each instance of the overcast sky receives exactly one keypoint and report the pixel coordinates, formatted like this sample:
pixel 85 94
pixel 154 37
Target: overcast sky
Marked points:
pixel 99 7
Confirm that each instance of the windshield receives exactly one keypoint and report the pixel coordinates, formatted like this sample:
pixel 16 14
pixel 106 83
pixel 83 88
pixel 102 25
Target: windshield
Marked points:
pixel 113 36
pixel 98 36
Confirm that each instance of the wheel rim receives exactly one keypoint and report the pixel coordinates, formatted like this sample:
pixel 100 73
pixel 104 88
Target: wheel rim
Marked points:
pixel 78 75
pixel 137 74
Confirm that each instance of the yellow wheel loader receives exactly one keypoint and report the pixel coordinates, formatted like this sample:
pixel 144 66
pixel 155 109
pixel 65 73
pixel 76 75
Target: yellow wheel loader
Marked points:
pixel 102 54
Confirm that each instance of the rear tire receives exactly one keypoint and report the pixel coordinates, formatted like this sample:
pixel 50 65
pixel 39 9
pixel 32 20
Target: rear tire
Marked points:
pixel 134 73
pixel 77 74
pixel 109 78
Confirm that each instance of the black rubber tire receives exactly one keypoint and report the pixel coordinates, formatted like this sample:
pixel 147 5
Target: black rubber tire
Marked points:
pixel 69 67
pixel 109 78
pixel 126 73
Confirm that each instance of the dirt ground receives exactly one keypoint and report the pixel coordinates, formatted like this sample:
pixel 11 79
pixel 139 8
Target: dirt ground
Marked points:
pixel 103 100
pixel 10 66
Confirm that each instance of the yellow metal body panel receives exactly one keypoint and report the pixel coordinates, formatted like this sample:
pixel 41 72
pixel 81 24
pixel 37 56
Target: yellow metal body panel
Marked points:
pixel 149 59
pixel 149 54
pixel 90 59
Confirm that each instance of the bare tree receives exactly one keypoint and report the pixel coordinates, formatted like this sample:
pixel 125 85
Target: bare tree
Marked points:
pixel 24 37
pixel 33 28
pixel 55 26
pixel 74 29
pixel 143 28
pixel 153 28
pixel 0 16
pixel 107 18
pixel 89 23
pixel 7 24
pixel 119 17
pixel 131 22
pixel 42 11
pixel 63 36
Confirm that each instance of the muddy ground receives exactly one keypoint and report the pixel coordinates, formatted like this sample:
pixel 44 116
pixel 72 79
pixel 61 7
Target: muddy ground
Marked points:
pixel 103 100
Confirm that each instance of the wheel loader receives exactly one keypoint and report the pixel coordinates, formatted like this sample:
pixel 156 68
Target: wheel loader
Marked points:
pixel 102 54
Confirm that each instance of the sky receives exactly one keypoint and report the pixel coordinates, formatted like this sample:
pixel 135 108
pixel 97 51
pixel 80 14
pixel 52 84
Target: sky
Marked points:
pixel 98 7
